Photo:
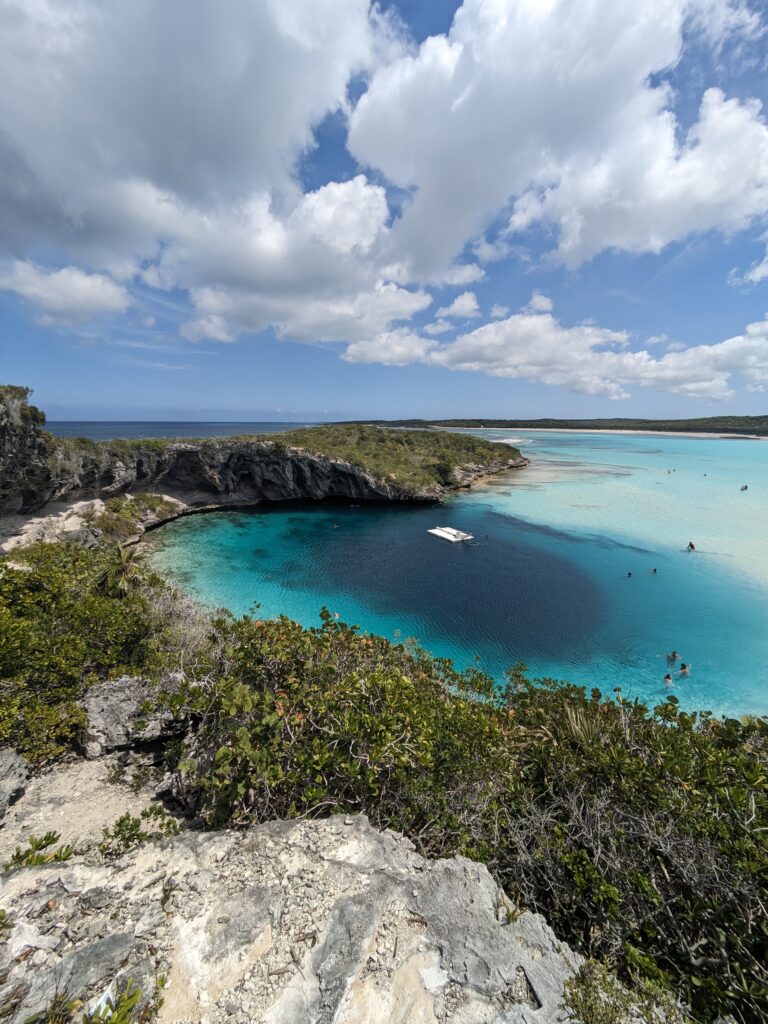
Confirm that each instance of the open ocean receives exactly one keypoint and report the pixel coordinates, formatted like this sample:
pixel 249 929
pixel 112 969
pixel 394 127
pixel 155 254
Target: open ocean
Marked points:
pixel 545 582
pixel 109 430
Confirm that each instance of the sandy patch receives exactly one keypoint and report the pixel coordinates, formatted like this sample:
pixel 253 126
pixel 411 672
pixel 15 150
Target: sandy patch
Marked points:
pixel 77 800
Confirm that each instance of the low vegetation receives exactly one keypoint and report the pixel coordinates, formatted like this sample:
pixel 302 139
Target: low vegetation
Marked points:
pixel 132 830
pixel 641 833
pixel 126 1007
pixel 416 458
pixel 704 424
pixel 39 850
pixel 70 617
pixel 122 516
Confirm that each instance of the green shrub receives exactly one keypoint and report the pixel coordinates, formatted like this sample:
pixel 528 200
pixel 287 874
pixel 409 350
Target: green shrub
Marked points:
pixel 641 835
pixel 129 830
pixel 596 996
pixel 68 616
pixel 39 852
pixel 121 515
pixel 125 1009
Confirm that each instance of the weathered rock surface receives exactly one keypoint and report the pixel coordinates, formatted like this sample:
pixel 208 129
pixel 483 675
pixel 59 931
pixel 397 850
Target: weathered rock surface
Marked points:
pixel 13 778
pixel 329 922
pixel 123 713
pixel 24 469
pixel 77 800
pixel 37 468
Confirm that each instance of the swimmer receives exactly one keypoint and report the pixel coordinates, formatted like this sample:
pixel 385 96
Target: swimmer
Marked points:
pixel 654 571
pixel 629 575
pixel 672 658
pixel 691 546
pixel 685 670
pixel 668 679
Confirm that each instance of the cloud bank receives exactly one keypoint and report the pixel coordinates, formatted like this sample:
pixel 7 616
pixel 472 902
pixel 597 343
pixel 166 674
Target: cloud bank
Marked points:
pixel 161 146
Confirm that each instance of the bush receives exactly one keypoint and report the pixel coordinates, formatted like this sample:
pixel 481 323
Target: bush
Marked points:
pixel 596 996
pixel 68 616
pixel 642 836
pixel 130 830
pixel 39 852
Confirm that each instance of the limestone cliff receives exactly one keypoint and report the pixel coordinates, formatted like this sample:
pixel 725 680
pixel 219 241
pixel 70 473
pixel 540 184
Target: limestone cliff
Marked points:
pixel 37 468
pixel 25 473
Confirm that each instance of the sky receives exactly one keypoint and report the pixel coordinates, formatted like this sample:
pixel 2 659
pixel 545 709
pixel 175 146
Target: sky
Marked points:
pixel 328 209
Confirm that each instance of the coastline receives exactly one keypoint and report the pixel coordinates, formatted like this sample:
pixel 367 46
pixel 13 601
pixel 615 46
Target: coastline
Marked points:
pixel 646 433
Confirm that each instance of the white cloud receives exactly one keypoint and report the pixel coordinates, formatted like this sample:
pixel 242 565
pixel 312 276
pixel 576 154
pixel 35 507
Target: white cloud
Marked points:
pixel 583 358
pixel 463 307
pixel 539 303
pixel 391 348
pixel 562 109
pixel 438 327
pixel 339 316
pixel 159 144
pixel 344 215
pixel 758 272
pixel 145 150
pixel 68 294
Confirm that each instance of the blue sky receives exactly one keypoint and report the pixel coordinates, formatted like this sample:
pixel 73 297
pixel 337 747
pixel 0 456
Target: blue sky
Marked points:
pixel 326 209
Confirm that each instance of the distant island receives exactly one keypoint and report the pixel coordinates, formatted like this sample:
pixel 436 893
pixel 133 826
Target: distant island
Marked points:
pixel 756 426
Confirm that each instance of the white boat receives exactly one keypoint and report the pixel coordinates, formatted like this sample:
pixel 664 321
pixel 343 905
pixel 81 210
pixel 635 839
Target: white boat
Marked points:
pixel 449 533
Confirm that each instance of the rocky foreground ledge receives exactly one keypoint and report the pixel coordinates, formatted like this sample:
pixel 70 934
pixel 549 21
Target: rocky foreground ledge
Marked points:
pixel 324 921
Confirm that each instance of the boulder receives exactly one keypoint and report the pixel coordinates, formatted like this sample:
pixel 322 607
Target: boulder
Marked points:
pixel 13 778
pixel 122 715
pixel 325 921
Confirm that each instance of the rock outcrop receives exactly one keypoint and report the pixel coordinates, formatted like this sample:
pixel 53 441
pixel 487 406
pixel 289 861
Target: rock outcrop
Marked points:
pixel 13 778
pixel 25 473
pixel 325 921
pixel 123 714
pixel 37 468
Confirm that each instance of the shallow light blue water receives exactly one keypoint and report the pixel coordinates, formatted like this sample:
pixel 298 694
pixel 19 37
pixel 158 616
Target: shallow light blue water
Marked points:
pixel 546 580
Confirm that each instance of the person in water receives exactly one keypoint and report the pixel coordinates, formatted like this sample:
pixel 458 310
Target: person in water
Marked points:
pixel 668 679
pixel 685 670
pixel 691 546
pixel 672 658
pixel 629 575
pixel 654 571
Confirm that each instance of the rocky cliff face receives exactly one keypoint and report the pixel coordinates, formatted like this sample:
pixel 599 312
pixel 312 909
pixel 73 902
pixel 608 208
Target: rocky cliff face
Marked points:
pixel 227 471
pixel 36 468
pixel 326 921
pixel 25 473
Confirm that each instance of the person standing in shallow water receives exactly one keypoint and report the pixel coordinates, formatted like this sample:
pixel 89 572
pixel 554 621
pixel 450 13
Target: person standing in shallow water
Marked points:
pixel 668 679
pixel 685 670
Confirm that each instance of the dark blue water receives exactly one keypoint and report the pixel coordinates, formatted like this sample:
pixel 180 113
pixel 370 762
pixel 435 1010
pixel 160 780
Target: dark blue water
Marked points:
pixel 104 430
pixel 546 580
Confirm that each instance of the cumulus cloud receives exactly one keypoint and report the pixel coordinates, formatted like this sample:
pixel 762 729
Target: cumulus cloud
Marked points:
pixel 463 307
pixel 68 294
pixel 539 303
pixel 391 348
pixel 160 142
pixel 561 109
pixel 584 358
pixel 158 146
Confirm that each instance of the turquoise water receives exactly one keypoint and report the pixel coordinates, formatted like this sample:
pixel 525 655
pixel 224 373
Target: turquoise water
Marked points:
pixel 546 580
